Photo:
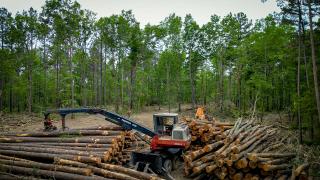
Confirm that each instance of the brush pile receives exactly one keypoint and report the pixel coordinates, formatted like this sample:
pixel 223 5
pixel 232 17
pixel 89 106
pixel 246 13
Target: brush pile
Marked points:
pixel 245 151
pixel 90 153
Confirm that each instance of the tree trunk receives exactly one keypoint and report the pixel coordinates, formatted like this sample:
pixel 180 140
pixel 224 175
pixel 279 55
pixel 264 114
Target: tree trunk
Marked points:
pixel 298 83
pixel 72 79
pixel 101 79
pixel 191 76
pixel 132 83
pixel 221 88
pixel 314 62
pixel 168 85
pixel 57 82
pixel 30 81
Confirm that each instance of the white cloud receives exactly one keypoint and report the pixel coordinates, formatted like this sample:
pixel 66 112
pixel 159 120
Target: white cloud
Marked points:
pixel 154 11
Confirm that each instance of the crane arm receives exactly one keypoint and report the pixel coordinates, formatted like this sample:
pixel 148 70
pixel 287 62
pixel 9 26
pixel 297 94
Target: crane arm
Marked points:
pixel 109 116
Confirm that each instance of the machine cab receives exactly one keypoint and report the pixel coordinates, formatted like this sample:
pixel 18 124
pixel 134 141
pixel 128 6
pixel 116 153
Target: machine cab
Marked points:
pixel 164 122
pixel 181 132
pixel 166 125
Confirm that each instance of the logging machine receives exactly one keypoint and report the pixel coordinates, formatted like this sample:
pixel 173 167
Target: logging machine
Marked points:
pixel 169 139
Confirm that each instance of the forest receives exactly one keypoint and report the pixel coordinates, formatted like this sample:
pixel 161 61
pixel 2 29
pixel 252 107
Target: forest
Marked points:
pixel 64 56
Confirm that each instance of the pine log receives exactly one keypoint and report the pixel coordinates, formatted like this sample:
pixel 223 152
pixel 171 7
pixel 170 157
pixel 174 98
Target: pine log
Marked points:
pixel 80 145
pixel 272 162
pixel 270 167
pixel 50 150
pixel 88 149
pixel 115 128
pixel 272 147
pixel 242 163
pixel 46 173
pixel 210 168
pixel 212 147
pixel 237 176
pixel 253 156
pixel 98 139
pixel 237 149
pixel 51 156
pixel 301 168
pixel 199 169
pixel 96 170
pixel 248 176
pixel 221 173
pixel 255 177
pixel 9 176
pixel 13 158
pixel 65 133
pixel 253 165
pixel 50 167
pixel 131 172
pixel 231 170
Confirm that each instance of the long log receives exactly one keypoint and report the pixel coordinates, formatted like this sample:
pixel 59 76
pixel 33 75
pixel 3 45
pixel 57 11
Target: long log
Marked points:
pixel 58 147
pixel 254 156
pixel 210 168
pixel 75 144
pixel 50 150
pixel 270 167
pixel 65 133
pixel 300 168
pixel 51 156
pixel 214 146
pixel 9 176
pixel 131 172
pixel 273 162
pixel 50 167
pixel 98 139
pixel 46 173
pixel 199 169
pixel 103 172
pixel 115 128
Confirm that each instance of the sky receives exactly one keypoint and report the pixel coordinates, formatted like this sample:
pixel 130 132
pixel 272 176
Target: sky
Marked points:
pixel 154 11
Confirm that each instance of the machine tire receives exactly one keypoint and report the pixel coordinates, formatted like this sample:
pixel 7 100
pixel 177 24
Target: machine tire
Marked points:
pixel 168 165
pixel 175 163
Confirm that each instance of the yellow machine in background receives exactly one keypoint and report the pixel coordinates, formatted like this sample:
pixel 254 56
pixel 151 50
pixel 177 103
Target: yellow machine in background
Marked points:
pixel 200 113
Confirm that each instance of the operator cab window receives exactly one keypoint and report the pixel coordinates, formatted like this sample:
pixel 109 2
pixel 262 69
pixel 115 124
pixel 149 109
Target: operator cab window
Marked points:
pixel 177 135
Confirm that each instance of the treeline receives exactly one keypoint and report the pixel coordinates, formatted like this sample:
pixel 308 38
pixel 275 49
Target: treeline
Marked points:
pixel 63 56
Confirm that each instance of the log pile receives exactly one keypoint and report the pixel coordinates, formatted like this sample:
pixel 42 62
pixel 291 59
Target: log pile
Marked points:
pixel 90 153
pixel 247 151
pixel 206 132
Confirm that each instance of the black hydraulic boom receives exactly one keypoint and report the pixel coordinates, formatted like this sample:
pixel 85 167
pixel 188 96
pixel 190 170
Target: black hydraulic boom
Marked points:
pixel 125 123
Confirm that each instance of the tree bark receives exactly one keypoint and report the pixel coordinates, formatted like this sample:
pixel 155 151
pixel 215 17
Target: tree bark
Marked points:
pixel 50 167
pixel 298 82
pixel 191 76
pixel 314 61
pixel 46 173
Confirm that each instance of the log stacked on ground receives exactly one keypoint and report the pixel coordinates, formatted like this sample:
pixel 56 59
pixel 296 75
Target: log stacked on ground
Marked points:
pixel 248 151
pixel 90 153
pixel 204 131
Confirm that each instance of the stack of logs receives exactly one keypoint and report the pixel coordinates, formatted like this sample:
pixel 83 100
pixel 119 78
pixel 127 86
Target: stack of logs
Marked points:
pixel 205 132
pixel 90 153
pixel 245 151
